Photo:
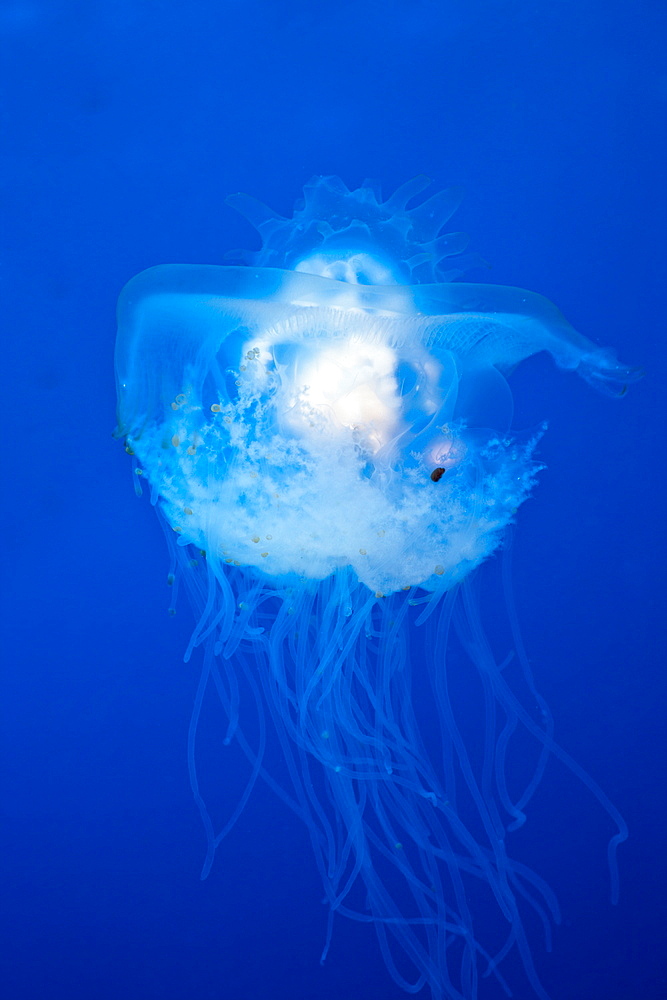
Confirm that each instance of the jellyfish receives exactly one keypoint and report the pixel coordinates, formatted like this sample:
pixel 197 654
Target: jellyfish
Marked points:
pixel 325 428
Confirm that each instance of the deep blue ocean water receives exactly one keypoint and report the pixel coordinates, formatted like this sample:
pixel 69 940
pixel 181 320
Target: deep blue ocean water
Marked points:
pixel 125 125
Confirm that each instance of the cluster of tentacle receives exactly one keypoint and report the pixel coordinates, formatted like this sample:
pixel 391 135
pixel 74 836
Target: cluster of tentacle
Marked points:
pixel 330 219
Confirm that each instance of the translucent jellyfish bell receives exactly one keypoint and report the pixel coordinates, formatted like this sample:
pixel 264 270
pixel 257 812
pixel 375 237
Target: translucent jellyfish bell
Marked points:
pixel 314 410
pixel 327 432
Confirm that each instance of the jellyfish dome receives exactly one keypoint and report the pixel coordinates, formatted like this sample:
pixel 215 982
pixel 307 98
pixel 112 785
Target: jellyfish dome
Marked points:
pixel 326 434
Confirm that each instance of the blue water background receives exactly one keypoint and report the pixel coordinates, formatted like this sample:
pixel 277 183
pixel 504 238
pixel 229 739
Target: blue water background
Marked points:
pixel 125 125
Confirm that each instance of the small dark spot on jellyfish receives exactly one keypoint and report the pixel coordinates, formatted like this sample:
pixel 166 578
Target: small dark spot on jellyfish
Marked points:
pixel 437 474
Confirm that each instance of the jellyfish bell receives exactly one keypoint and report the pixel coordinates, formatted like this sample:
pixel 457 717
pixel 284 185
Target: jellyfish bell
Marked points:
pixel 317 424
pixel 327 429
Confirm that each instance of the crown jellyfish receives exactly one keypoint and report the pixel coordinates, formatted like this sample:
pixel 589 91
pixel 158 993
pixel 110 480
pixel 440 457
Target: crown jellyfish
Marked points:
pixel 291 415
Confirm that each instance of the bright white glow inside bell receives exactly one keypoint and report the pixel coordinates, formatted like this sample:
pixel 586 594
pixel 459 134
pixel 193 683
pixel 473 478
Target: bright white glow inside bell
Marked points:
pixel 344 385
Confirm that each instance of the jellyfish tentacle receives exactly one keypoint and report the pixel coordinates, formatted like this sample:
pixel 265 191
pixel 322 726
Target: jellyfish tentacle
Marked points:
pixel 255 211
pixel 406 192
pixel 428 218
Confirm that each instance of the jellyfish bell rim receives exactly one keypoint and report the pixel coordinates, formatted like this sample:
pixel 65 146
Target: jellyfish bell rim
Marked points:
pixel 432 309
pixel 179 323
